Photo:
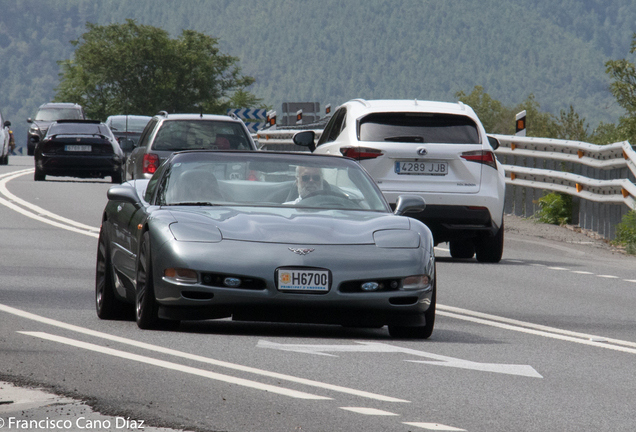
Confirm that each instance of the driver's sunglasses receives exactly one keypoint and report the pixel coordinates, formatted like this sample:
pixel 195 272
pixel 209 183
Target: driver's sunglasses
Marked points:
pixel 314 177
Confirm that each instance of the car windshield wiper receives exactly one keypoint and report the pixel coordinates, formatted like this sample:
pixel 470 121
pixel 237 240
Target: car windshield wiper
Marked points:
pixel 193 203
pixel 406 138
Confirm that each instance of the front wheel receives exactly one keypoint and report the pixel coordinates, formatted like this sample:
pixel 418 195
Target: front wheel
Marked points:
pixel 419 332
pixel 490 249
pixel 462 249
pixel 146 309
pixel 117 177
pixel 39 175
pixel 106 304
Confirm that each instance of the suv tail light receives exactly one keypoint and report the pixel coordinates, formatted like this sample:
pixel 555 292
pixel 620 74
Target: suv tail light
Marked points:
pixel 360 153
pixel 150 163
pixel 481 156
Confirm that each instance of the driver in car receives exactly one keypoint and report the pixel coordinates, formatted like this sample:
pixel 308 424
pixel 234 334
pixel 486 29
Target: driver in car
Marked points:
pixel 308 181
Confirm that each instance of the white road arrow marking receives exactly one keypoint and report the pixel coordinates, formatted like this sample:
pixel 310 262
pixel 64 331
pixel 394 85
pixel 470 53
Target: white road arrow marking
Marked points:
pixel 376 347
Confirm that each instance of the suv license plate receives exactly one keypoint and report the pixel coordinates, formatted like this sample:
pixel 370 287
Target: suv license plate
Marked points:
pixel 303 280
pixel 436 168
pixel 78 148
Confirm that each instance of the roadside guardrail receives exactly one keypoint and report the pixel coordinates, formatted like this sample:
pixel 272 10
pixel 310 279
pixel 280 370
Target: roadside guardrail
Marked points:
pixel 600 178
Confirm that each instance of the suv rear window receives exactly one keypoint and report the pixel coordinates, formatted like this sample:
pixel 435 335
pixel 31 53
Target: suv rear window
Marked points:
pixel 52 114
pixel 175 135
pixel 418 128
pixel 78 129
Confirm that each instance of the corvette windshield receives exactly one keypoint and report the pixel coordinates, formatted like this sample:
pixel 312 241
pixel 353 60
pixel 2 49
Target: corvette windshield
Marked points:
pixel 269 180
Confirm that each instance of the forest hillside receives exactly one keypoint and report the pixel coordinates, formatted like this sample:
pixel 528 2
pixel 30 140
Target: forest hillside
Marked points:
pixel 332 51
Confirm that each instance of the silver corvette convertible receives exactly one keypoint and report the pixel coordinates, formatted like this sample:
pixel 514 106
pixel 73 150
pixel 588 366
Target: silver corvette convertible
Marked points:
pixel 264 236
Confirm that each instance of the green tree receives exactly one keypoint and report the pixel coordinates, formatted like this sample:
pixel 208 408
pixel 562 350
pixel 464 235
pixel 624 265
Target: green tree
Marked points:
pixel 139 69
pixel 623 76
pixel 490 111
pixel 570 126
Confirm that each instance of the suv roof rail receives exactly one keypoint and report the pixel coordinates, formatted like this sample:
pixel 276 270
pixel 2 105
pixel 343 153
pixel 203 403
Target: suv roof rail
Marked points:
pixel 462 105
pixel 362 101
pixel 163 113
pixel 234 116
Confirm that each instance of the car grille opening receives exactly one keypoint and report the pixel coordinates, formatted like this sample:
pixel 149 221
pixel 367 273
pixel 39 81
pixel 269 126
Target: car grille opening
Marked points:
pixel 217 280
pixel 197 295
pixel 401 301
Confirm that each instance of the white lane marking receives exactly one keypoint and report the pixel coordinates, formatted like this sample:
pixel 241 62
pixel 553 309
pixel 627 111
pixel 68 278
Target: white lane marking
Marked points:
pixel 376 347
pixel 39 214
pixel 608 276
pixel 536 329
pixel 198 358
pixel 369 411
pixel 582 272
pixel 514 261
pixel 433 426
pixel 175 366
pixel 630 280
pixel 557 268
pixel 442 249
pixel 537 265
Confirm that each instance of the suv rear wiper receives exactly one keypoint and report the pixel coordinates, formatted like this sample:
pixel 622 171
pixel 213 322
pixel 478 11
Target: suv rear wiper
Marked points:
pixel 406 138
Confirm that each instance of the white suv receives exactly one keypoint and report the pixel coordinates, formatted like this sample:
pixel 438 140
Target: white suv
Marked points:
pixel 437 150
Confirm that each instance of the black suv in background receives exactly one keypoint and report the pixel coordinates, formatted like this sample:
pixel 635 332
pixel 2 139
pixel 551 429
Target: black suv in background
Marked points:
pixel 48 113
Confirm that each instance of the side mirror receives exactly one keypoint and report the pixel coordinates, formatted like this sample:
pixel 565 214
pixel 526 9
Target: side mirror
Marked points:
pixel 305 139
pixel 409 204
pixel 123 192
pixel 29 120
pixel 7 124
pixel 126 144
pixel 494 142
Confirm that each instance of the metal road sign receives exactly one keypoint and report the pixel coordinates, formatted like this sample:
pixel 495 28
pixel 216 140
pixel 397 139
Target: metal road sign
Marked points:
pixel 253 118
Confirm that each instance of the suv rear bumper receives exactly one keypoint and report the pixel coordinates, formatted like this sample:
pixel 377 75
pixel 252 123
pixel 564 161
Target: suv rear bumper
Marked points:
pixel 450 222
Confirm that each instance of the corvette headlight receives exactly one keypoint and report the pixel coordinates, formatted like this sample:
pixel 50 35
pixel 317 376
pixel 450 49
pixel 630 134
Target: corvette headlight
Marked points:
pixel 195 232
pixel 397 238
pixel 416 282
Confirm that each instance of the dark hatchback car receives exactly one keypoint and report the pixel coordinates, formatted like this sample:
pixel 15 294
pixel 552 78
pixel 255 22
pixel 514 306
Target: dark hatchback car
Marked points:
pixel 79 148
pixel 48 113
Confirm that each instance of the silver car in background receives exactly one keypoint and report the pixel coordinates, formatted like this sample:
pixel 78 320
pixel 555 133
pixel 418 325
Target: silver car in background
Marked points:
pixel 306 238
pixel 168 133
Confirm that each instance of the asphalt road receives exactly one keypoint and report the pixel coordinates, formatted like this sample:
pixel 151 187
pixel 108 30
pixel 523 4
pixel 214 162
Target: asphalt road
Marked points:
pixel 542 341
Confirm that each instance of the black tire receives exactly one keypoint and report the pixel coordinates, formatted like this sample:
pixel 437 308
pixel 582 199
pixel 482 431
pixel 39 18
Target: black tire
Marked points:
pixel 419 332
pixel 116 177
pixel 146 308
pixel 462 249
pixel 490 249
pixel 107 305
pixel 39 175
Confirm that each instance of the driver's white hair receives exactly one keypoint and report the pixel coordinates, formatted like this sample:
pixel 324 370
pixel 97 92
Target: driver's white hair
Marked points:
pixel 298 167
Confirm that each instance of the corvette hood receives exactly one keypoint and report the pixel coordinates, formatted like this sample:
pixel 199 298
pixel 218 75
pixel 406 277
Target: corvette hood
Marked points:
pixel 291 226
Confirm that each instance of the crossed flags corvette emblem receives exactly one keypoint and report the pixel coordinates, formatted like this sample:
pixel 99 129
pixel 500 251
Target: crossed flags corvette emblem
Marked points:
pixel 301 251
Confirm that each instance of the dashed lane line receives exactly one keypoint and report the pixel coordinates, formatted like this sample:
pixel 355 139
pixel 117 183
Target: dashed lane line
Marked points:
pixel 369 411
